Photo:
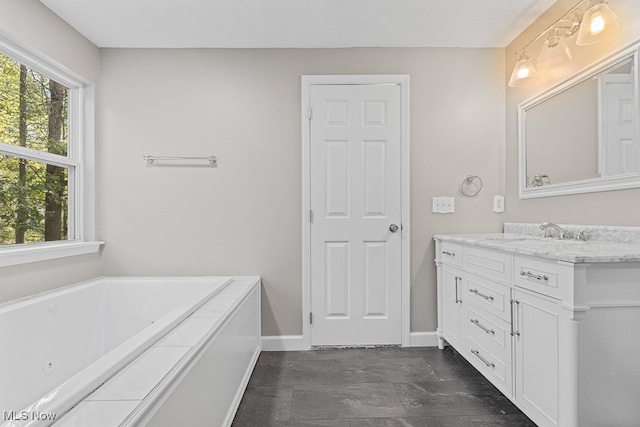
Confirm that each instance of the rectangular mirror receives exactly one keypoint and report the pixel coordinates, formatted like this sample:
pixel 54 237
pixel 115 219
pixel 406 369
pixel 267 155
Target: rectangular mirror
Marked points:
pixel 582 135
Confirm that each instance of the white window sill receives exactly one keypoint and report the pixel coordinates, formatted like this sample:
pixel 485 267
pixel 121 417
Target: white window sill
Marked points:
pixel 32 252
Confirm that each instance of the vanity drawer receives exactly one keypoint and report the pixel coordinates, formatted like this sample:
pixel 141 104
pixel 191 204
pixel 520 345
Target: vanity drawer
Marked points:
pixel 492 264
pixel 487 295
pixel 490 332
pixel 539 275
pixel 451 253
pixel 495 369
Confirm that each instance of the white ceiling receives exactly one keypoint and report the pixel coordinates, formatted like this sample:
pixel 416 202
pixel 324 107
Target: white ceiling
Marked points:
pixel 299 23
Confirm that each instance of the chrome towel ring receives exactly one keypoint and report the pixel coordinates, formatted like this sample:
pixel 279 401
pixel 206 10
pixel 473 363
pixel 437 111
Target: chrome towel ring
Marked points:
pixel 471 185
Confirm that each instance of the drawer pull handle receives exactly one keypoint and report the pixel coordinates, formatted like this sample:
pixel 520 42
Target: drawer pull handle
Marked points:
pixel 453 254
pixel 489 364
pixel 534 276
pixel 477 292
pixel 477 323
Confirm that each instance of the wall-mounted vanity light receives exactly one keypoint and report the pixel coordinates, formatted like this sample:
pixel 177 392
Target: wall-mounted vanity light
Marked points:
pixel 524 71
pixel 596 23
pixel 555 51
pixel 599 23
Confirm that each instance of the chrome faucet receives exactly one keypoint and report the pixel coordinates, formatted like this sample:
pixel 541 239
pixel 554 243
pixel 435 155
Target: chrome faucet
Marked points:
pixel 548 226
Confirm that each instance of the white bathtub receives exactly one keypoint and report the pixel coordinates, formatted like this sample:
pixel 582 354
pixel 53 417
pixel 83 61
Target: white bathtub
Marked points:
pixel 58 347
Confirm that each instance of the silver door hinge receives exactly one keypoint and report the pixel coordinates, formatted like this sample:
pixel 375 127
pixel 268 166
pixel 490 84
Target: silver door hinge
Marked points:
pixel 311 318
pixel 309 113
pixel 310 216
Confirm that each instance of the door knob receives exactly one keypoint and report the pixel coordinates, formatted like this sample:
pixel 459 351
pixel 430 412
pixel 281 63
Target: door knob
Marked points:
pixel 393 228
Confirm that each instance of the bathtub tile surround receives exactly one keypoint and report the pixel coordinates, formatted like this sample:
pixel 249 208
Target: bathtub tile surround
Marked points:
pixel 74 339
pixel 191 331
pixel 136 380
pixel 110 413
pixel 156 371
pixel 149 355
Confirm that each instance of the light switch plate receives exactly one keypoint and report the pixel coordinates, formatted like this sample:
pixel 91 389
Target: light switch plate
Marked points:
pixel 443 204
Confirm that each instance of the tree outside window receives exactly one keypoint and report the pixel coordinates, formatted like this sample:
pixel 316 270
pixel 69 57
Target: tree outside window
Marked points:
pixel 34 163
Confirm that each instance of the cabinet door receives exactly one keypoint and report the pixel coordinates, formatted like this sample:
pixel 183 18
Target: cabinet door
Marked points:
pixel 451 306
pixel 536 326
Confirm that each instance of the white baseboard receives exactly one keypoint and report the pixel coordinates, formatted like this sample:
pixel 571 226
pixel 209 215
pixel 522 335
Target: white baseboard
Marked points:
pixel 297 342
pixel 423 339
pixel 284 343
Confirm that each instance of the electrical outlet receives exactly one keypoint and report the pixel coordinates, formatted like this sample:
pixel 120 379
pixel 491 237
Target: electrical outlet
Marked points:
pixel 498 204
pixel 443 204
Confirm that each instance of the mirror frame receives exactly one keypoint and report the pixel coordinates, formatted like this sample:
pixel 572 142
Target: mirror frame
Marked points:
pixel 617 182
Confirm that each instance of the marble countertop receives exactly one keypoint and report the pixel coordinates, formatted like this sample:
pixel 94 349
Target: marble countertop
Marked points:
pixel 573 251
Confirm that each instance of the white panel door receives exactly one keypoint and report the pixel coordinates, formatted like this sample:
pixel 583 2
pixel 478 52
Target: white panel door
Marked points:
pixel 619 151
pixel 356 206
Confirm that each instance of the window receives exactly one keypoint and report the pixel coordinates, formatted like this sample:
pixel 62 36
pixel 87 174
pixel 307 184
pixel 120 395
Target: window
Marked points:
pixel 34 184
pixel 41 168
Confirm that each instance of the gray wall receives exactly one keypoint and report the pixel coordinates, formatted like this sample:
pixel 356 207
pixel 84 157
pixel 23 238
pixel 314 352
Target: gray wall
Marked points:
pixel 30 24
pixel 244 107
pixel 619 207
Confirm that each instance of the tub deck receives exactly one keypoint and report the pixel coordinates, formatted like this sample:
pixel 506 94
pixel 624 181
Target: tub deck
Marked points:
pixel 218 343
pixel 130 398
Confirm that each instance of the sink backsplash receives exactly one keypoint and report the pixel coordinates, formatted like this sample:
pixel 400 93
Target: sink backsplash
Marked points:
pixel 604 233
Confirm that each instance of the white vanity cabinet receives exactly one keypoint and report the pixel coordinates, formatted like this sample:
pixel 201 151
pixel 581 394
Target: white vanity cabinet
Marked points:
pixel 488 347
pixel 486 321
pixel 475 309
pixel 452 310
pixel 560 339
pixel 536 356
pixel 450 276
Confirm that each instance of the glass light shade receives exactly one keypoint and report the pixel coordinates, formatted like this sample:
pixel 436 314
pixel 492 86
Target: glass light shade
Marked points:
pixel 524 72
pixel 554 52
pixel 599 23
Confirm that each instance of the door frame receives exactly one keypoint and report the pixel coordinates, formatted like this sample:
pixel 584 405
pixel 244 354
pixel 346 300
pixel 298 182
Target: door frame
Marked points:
pixel 307 82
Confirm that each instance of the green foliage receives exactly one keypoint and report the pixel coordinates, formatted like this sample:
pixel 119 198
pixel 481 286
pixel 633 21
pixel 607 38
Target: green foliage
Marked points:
pixel 27 185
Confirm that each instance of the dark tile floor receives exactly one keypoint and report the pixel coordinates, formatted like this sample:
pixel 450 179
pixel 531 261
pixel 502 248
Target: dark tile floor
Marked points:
pixel 378 387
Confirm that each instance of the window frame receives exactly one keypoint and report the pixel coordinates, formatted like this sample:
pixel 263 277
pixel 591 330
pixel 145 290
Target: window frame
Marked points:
pixel 79 162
